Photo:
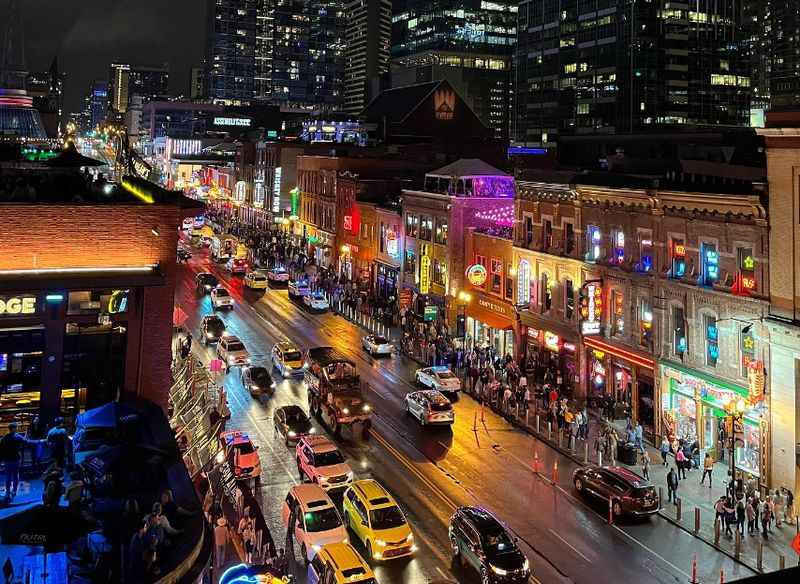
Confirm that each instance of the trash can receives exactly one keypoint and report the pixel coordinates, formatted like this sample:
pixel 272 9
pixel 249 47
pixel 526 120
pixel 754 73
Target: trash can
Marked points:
pixel 626 453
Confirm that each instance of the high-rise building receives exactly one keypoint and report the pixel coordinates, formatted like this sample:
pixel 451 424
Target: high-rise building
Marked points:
pixel 97 102
pixel 197 83
pixel 620 66
pixel 368 36
pixel 265 29
pixel 468 42
pixel 781 29
pixel 125 81
pixel 230 50
pixel 47 90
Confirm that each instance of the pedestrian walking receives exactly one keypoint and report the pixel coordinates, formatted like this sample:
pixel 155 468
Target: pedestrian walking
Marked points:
pixel 708 468
pixel 730 515
pixel 220 542
pixel 639 436
pixel 247 531
pixel 646 464
pixel 11 446
pixel 672 486
pixel 665 447
pixel 766 517
pixel 719 510
pixel 789 512
pixel 757 508
pixel 59 442
pixel 680 461
pixel 741 515
pixel 778 503
pixel 751 517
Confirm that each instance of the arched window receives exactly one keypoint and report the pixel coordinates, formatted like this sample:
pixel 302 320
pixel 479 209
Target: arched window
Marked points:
pixel 524 283
pixel 547 293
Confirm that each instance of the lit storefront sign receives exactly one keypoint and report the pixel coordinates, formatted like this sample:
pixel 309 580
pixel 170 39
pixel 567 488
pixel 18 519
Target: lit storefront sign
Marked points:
pixel 476 275
pixel 551 341
pixel 424 275
pixel 276 190
pixel 18 305
pixel 347 223
pixel 710 264
pixel 239 122
pixel 591 308
pixel 392 245
pixel 295 194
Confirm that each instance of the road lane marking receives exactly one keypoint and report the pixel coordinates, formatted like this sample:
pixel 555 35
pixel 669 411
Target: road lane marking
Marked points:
pixel 570 546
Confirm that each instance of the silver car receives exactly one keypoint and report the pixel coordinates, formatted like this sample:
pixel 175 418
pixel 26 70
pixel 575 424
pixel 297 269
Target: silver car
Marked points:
pixel 376 345
pixel 430 406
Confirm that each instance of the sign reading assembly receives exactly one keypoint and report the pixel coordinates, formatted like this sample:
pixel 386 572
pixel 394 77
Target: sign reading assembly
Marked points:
pixel 241 122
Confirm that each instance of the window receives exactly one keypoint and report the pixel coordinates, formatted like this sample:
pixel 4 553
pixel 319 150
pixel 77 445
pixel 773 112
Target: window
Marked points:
pixel 425 227
pixel 382 239
pixel 679 344
pixel 509 282
pixel 677 250
pixel 412 225
pixel 98 302
pixel 411 262
pixel 528 229
pixel 710 259
pixel 441 231
pixel 645 252
pixel 524 283
pixel 439 272
pixel 617 313
pixel 619 246
pixel 364 231
pixel 593 240
pixel 547 233
pixel 496 275
pixel 569 299
pixel 712 339
pixel 645 323
pixel 547 293
pixel 569 238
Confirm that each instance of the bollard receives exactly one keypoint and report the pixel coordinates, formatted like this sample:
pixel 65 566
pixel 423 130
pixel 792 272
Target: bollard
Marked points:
pixel 555 471
pixel 537 423
pixel 483 419
pixel 610 511
pixel 717 528
pixel 572 443
pixel 527 413
pixel 585 453
pixel 697 519
pixel 660 497
pixel 721 577
pixel 560 435
pixel 760 557
pixel 737 546
pixel 694 579
pixel 781 562
pixel 475 422
pixel 599 458
pixel 536 462
pixel 678 510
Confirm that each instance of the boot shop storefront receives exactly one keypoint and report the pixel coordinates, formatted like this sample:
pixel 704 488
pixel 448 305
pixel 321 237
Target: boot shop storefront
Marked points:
pixel 490 323
pixel 693 407
pixel 624 376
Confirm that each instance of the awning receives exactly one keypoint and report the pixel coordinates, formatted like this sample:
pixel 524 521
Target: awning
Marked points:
pixel 488 311
pixel 625 354
pixel 535 321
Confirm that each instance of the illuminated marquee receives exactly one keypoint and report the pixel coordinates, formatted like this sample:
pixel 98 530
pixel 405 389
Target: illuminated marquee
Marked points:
pixel 424 274
pixel 17 305
pixel 241 122
pixel 444 104
pixel 591 309
pixel 476 275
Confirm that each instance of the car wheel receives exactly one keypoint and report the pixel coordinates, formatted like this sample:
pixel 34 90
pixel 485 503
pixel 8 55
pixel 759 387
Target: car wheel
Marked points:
pixel 369 550
pixel 616 509
pixel 454 548
pixel 578 485
pixel 484 575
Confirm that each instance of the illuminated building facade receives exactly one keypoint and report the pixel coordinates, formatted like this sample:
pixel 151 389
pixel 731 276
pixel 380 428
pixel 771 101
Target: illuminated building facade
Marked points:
pixel 97 103
pixel 619 66
pixel 230 50
pixel 47 90
pixel 369 33
pixel 469 43
pixel 782 23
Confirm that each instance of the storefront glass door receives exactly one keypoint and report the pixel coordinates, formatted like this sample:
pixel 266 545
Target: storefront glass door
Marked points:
pixel 710 428
pixel 685 417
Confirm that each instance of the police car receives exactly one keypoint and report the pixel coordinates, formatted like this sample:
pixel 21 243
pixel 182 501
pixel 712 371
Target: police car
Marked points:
pixel 439 378
pixel 241 454
pixel 278 275
pixel 316 301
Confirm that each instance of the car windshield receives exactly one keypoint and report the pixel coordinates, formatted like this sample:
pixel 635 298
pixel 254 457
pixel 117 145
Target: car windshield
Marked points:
pixel 380 341
pixel 291 356
pixel 441 406
pixel 245 448
pixel 319 296
pixel 294 416
pixel 209 279
pixel 498 541
pixel 222 292
pixel 322 520
pixel 215 324
pixel 259 277
pixel 386 518
pixel 260 375
pixel 445 375
pixel 235 346
pixel 328 458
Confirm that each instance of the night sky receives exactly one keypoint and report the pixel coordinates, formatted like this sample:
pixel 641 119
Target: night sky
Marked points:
pixel 87 35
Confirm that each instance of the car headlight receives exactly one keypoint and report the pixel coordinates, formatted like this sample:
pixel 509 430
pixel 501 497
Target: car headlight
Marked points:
pixel 247 360
pixel 498 571
pixel 525 565
pixel 209 335
pixel 253 387
pixel 292 433
pixel 346 540
pixel 316 547
pixel 410 538
pixel 380 543
pixel 230 360
pixel 350 475
pixel 366 408
pixel 208 286
pixel 345 411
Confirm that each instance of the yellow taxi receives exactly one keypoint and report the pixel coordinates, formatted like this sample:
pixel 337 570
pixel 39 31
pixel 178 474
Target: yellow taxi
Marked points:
pixel 375 518
pixel 339 563
pixel 287 359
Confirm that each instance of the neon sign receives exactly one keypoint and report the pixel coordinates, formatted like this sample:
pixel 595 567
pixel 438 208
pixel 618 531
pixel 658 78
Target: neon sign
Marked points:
pixel 591 309
pixel 551 341
pixel 476 275
pixel 16 305
pixel 348 223
pixel 424 274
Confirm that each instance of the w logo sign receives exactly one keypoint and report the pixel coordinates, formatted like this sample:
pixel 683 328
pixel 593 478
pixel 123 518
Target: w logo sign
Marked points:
pixel 444 103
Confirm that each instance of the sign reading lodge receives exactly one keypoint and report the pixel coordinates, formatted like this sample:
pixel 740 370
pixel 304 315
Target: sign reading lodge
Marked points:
pixel 17 305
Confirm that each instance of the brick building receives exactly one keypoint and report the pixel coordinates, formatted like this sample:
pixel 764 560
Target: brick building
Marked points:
pixel 87 281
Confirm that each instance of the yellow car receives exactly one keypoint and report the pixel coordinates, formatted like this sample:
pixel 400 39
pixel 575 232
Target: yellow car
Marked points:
pixel 287 359
pixel 339 563
pixel 375 518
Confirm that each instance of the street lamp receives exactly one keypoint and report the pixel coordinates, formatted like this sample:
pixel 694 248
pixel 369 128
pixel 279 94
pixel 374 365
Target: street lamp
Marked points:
pixel 735 410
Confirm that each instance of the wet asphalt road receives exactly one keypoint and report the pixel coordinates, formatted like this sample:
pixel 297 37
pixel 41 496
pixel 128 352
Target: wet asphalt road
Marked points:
pixel 432 470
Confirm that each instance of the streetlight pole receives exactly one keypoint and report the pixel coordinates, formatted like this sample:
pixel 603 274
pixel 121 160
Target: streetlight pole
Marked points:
pixel 735 411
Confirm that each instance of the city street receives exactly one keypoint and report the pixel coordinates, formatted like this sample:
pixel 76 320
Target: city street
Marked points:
pixel 483 460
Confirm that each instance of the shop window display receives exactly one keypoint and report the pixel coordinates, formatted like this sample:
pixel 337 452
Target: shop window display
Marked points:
pixel 524 283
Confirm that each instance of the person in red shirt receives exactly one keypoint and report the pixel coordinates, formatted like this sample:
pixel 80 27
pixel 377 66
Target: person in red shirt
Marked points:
pixel 553 395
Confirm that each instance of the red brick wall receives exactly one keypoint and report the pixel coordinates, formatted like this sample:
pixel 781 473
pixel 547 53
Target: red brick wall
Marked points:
pixel 63 236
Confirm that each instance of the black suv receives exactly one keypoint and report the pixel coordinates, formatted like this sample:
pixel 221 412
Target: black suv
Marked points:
pixel 629 493
pixel 206 282
pixel 212 328
pixel 479 539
